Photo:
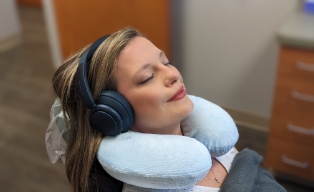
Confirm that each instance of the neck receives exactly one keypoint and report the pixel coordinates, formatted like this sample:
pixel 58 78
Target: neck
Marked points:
pixel 178 131
pixel 172 130
pixel 169 130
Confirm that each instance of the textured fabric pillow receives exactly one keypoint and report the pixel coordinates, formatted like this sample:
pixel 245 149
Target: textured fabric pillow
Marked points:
pixel 211 125
pixel 170 161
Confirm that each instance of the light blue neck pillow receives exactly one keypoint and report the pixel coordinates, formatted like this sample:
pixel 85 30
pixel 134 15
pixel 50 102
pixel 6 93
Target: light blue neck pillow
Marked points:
pixel 171 161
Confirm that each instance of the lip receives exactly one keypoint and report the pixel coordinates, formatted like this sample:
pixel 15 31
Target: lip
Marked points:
pixel 178 95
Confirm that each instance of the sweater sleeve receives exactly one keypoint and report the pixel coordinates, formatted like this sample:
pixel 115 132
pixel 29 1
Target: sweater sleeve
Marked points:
pixel 246 175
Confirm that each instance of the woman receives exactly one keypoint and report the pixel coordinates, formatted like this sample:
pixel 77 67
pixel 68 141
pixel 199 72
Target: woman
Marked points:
pixel 130 64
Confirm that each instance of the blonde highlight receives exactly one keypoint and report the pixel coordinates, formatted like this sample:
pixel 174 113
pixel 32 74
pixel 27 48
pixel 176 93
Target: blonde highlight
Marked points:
pixel 83 141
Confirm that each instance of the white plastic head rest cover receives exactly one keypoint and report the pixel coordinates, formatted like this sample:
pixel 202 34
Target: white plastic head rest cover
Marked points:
pixel 170 161
pixel 56 134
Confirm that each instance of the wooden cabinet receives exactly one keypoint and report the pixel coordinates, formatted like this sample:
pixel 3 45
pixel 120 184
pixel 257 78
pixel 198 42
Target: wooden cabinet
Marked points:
pixel 291 139
pixel 80 22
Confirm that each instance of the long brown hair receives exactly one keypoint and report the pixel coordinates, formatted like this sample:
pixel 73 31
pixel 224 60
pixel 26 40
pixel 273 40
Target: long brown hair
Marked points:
pixel 83 140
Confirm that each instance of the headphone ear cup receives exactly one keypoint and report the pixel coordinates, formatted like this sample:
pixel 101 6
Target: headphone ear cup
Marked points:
pixel 106 120
pixel 113 114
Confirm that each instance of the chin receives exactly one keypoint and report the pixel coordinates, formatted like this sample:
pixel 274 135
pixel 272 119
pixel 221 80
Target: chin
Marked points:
pixel 188 106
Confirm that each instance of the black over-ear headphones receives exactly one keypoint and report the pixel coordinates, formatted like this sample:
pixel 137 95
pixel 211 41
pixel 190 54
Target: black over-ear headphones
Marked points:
pixel 112 114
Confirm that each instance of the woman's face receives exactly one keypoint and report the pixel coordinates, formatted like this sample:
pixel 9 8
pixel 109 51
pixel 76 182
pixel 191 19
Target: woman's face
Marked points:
pixel 153 87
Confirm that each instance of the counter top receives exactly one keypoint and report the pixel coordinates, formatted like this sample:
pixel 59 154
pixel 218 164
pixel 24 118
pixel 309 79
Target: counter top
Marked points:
pixel 298 31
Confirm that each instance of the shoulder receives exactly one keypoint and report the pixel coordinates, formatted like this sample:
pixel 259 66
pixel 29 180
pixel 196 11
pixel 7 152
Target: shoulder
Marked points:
pixel 247 175
pixel 227 159
pixel 247 160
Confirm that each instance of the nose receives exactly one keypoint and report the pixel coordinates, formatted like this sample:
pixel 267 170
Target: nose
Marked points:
pixel 172 76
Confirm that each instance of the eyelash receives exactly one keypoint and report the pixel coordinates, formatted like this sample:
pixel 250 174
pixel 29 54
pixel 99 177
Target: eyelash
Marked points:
pixel 167 64
pixel 153 75
pixel 148 79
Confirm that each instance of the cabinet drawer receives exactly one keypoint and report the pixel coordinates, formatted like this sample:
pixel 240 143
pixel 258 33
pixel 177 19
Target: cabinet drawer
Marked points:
pixel 292 125
pixel 290 158
pixel 296 64
pixel 295 94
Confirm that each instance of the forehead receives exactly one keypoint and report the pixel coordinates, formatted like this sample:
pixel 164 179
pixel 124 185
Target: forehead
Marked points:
pixel 138 52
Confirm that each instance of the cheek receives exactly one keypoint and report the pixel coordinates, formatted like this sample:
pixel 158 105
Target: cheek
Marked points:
pixel 145 102
pixel 146 105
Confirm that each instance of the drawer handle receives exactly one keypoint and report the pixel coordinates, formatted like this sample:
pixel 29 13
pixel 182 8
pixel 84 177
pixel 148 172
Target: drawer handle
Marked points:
pixel 298 129
pixel 302 96
pixel 294 162
pixel 305 66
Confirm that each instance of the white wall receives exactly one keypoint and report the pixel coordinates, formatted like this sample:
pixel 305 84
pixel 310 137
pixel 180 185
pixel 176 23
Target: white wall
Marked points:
pixel 52 30
pixel 10 26
pixel 227 50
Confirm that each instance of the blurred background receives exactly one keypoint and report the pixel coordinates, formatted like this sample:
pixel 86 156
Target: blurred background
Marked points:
pixel 253 58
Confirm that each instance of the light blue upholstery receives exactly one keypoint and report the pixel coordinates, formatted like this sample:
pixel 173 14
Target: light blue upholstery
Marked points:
pixel 211 125
pixel 170 161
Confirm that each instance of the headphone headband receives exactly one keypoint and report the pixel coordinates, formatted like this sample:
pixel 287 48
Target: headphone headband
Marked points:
pixel 112 114
pixel 81 74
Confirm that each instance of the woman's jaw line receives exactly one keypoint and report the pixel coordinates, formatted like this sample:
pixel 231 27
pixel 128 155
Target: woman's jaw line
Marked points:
pixel 169 130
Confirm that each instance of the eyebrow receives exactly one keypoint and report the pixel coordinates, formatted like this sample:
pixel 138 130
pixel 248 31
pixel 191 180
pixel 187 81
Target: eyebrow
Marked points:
pixel 147 65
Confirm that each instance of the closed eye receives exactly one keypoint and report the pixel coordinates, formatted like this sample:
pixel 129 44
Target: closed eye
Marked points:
pixel 147 80
pixel 167 64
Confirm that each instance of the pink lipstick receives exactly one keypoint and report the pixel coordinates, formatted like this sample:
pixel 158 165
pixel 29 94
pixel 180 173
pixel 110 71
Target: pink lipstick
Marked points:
pixel 179 94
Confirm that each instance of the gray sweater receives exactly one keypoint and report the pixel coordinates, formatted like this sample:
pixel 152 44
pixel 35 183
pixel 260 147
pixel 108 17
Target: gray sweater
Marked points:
pixel 246 175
